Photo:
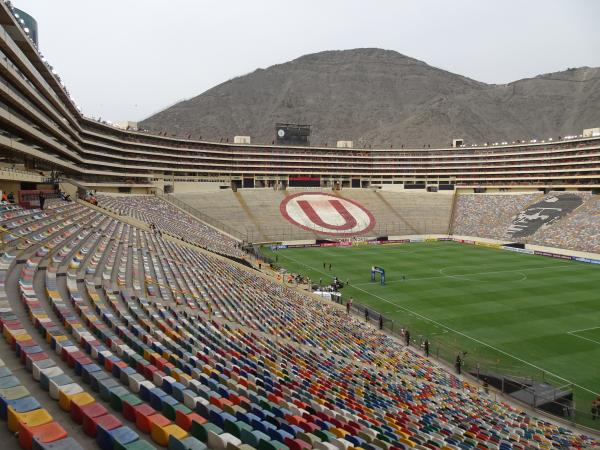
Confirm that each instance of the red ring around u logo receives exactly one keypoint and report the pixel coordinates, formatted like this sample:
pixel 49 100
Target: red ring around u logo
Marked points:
pixel 327 214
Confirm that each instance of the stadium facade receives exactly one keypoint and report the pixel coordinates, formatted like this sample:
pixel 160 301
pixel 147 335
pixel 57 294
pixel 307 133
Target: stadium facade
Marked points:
pixel 42 129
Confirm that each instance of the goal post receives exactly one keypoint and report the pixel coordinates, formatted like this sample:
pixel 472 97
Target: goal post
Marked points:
pixel 378 270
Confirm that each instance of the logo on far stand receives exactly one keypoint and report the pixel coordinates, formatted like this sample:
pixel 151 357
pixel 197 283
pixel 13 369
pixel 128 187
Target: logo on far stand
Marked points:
pixel 327 214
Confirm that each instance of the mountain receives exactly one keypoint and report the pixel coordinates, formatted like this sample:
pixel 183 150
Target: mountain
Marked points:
pixel 381 98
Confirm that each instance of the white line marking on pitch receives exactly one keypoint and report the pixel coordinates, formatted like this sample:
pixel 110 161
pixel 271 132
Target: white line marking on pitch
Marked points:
pixel 460 333
pixel 581 337
pixel 583 329
pixel 458 276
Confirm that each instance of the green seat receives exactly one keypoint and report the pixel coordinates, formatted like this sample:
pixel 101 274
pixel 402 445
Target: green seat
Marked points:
pixel 308 438
pixel 382 444
pixel 271 445
pixel 325 435
pixel 232 428
pixel 139 445
pixel 170 411
pixel 117 394
pixel 252 438
pixel 200 431
pixel 188 443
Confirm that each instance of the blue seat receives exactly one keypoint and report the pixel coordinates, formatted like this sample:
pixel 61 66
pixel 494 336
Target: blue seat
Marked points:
pixel 279 435
pixel 216 417
pixel 105 387
pixel 67 443
pixel 9 382
pixel 96 377
pixel 115 438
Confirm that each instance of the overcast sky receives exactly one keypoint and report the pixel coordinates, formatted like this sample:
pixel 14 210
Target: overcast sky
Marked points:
pixel 127 59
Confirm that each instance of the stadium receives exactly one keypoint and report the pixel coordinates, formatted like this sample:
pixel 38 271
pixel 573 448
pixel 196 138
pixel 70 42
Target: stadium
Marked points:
pixel 159 291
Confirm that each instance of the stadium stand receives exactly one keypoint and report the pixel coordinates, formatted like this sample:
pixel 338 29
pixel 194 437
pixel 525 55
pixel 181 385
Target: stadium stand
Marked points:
pixel 141 356
pixel 578 231
pixel 42 124
pixel 488 215
pixel 170 219
pixel 255 214
pixel 567 220
pixel 122 338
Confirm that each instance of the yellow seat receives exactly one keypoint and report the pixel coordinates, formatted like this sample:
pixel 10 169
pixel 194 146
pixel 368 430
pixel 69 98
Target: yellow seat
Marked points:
pixel 66 393
pixel 338 432
pixel 82 399
pixel 31 419
pixel 161 434
pixel 22 337
pixel 407 442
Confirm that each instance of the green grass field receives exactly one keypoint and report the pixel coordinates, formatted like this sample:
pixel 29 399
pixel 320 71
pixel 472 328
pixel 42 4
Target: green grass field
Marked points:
pixel 514 313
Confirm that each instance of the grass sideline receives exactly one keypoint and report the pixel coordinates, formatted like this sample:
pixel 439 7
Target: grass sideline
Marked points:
pixel 515 313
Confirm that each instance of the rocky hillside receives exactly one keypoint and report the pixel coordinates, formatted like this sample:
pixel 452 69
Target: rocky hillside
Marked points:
pixel 381 98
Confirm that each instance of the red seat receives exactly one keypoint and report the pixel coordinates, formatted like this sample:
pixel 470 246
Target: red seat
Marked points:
pixel 44 434
pixel 185 420
pixel 107 421
pixel 297 444
pixel 129 410
pixel 88 412
pixel 142 413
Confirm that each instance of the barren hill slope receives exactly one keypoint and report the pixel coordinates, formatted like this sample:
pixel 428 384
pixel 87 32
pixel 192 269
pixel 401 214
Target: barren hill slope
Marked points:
pixel 382 98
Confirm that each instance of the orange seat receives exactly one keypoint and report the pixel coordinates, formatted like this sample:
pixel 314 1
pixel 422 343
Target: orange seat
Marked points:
pixel 44 434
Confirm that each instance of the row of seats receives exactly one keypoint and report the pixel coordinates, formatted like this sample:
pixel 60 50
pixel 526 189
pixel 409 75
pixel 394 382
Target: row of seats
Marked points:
pixel 193 352
pixel 170 219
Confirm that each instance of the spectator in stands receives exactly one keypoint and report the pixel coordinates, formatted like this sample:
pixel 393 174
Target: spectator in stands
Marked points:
pixel 11 197
pixel 42 201
pixel 4 197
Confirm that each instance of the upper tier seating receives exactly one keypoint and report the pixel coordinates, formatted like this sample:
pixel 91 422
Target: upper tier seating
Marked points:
pixel 157 344
pixel 170 219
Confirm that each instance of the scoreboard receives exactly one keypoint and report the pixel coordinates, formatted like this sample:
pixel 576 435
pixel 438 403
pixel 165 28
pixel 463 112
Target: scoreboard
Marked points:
pixel 292 134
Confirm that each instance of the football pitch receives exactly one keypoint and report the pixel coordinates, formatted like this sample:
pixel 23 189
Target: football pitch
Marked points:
pixel 512 313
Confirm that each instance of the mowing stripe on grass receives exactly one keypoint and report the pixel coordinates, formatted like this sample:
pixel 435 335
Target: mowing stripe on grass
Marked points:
pixel 441 325
pixel 465 275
